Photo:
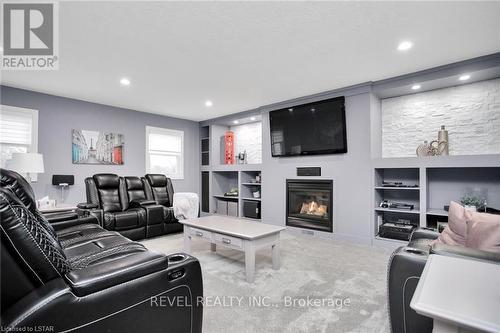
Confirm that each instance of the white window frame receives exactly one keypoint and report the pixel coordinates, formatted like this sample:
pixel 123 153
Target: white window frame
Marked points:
pixel 33 147
pixel 166 131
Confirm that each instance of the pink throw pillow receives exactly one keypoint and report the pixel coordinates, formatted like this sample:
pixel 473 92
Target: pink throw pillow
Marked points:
pixel 455 232
pixel 483 231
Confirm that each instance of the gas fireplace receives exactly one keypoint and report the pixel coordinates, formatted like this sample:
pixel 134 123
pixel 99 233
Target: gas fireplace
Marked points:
pixel 309 204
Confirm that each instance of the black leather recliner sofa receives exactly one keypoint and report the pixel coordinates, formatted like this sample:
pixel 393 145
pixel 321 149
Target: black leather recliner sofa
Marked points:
pixel 76 276
pixel 404 271
pixel 129 205
pixel 108 192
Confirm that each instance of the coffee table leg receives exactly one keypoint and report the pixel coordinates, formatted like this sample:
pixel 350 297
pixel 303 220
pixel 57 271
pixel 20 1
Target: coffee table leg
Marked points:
pixel 276 256
pixel 213 247
pixel 249 261
pixel 187 240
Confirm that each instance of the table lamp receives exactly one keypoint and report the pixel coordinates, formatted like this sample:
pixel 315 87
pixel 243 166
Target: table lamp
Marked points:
pixel 26 163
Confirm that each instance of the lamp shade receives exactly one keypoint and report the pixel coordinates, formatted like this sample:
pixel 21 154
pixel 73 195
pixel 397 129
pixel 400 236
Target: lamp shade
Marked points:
pixel 26 163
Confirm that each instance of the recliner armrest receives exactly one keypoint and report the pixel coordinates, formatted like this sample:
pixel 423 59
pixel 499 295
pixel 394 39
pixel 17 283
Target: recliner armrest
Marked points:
pixel 122 268
pixel 60 217
pixel 91 209
pixel 63 224
pixel 87 205
pixel 465 252
pixel 405 267
pixel 141 203
pixel 424 233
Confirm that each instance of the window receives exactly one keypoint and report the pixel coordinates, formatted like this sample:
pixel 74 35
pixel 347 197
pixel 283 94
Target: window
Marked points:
pixel 18 132
pixel 165 152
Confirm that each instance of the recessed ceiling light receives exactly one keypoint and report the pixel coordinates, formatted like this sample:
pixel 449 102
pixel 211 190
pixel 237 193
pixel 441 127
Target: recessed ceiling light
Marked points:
pixel 464 77
pixel 125 82
pixel 209 103
pixel 252 118
pixel 405 45
pixel 236 122
pixel 415 86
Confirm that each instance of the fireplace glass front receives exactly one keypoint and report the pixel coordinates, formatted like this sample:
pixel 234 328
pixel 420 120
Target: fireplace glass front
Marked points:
pixel 309 204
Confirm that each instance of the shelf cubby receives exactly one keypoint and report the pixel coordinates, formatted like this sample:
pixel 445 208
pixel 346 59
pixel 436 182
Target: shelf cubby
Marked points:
pixel 205 145
pixel 452 183
pixel 409 194
pixel 408 176
pixel 247 187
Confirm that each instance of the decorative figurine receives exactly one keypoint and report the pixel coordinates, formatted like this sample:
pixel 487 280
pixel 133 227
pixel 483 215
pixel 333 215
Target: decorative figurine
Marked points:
pixel 436 147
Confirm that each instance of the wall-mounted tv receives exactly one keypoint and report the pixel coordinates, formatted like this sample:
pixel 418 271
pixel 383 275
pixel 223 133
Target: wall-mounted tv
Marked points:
pixel 309 129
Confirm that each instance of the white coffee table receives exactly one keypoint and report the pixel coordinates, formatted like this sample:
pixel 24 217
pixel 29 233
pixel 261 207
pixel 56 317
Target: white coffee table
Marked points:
pixel 460 294
pixel 237 234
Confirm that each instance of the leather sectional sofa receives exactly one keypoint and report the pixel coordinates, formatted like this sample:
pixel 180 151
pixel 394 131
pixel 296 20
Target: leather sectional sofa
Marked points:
pixel 135 207
pixel 74 275
pixel 405 268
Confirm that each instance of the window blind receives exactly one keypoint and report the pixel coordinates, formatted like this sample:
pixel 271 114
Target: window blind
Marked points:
pixel 16 127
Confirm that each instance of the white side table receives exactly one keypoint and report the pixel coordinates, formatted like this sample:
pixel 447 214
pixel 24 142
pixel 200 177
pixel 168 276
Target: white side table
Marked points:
pixel 461 295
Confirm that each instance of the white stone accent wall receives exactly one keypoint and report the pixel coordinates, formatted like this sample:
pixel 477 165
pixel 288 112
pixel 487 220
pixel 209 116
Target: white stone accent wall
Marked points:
pixel 248 137
pixel 470 112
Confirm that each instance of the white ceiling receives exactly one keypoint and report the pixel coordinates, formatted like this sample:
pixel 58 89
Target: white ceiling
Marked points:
pixel 242 55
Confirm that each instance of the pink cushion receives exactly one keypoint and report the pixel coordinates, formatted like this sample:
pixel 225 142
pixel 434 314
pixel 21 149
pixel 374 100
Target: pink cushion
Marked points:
pixel 483 231
pixel 455 232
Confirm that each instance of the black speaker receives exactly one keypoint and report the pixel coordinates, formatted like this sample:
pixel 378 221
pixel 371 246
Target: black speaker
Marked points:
pixel 309 171
pixel 251 209
pixel 63 179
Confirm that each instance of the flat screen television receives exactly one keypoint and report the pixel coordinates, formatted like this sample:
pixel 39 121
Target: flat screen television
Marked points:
pixel 309 129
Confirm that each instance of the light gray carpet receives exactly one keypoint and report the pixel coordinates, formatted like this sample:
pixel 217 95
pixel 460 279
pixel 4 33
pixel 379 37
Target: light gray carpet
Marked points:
pixel 321 269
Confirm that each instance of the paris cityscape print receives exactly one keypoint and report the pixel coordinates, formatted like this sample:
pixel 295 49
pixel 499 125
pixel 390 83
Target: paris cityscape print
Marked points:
pixel 93 147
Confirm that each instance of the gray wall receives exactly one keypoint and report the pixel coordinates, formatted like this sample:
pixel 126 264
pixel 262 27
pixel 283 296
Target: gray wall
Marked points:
pixel 58 116
pixel 351 174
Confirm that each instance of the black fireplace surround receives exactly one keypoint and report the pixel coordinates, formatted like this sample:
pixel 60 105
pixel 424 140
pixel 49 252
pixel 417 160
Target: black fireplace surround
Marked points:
pixel 309 204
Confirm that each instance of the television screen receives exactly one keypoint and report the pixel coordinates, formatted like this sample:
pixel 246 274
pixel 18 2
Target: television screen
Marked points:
pixel 309 129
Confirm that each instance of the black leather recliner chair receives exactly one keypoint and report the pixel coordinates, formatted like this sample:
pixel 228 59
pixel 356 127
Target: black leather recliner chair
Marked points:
pixel 98 283
pixel 136 195
pixel 108 193
pixel 404 271
pixel 160 189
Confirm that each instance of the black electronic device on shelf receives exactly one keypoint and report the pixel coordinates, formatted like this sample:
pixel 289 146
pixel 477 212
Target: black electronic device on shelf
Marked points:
pixel 396 205
pixel 397 184
pixel 401 231
pixel 251 209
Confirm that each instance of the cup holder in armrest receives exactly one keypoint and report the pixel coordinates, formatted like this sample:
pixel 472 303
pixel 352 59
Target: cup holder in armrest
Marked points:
pixel 413 250
pixel 176 258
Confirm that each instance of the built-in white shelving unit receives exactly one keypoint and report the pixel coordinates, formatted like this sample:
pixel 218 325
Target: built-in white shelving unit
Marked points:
pixel 440 179
pixel 221 178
